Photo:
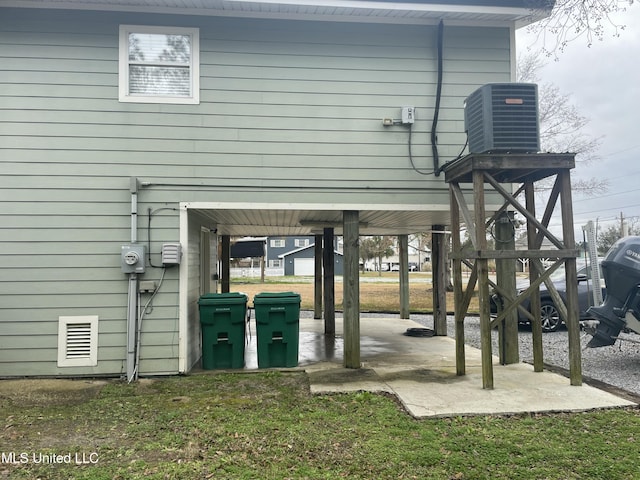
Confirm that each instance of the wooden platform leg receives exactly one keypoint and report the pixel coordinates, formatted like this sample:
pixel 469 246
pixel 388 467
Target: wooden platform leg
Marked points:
pixel 536 326
pixel 457 283
pixel 573 326
pixel 483 281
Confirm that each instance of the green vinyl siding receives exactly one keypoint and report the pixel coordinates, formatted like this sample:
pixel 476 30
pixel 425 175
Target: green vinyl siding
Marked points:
pixel 286 108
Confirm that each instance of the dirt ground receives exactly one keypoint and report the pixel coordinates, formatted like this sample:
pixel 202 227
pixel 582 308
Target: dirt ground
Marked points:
pixel 53 391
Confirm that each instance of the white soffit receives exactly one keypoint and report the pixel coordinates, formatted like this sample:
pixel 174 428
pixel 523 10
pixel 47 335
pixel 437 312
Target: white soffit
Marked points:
pixel 250 219
pixel 334 10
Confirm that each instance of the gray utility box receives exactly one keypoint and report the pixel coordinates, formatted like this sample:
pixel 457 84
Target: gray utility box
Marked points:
pixel 132 258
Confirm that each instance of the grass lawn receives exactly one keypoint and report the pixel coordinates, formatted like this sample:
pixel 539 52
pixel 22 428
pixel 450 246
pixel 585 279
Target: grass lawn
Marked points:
pixel 381 295
pixel 268 426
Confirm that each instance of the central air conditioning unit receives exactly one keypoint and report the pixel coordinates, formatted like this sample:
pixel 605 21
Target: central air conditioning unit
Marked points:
pixel 503 118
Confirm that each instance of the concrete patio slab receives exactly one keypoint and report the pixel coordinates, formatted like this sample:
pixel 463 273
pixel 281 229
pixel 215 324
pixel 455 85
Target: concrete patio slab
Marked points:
pixel 421 372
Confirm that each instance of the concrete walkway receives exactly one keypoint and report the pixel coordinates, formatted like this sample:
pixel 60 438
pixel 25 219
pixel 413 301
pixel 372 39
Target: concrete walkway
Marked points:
pixel 420 371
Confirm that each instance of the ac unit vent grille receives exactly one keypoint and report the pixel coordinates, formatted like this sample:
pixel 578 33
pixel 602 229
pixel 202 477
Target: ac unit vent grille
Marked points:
pixel 503 117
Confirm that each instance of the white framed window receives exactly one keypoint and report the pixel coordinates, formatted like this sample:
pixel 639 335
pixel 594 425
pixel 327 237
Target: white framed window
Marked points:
pixel 78 341
pixel 277 242
pixel 275 263
pixel 159 64
pixel 302 242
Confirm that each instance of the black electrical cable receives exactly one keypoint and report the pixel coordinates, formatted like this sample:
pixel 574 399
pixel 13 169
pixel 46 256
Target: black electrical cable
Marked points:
pixel 437 169
pixel 150 214
pixel 413 165
pixel 436 112
pixel 442 167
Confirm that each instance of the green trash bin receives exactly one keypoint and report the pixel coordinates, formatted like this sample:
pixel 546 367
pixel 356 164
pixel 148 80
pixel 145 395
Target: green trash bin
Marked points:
pixel 222 317
pixel 277 328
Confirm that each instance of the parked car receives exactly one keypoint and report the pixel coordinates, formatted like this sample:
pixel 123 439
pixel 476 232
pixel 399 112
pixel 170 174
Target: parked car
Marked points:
pixel 413 267
pixel 549 314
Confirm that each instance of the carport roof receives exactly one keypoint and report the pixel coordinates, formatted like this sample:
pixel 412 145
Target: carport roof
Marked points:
pixel 242 219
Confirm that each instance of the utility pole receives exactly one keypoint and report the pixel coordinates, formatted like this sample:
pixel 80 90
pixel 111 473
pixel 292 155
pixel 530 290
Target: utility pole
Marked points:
pixel 624 229
pixel 592 262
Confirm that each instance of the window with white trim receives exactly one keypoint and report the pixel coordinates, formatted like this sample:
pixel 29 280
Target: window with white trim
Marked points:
pixel 275 263
pixel 277 242
pixel 159 64
pixel 302 242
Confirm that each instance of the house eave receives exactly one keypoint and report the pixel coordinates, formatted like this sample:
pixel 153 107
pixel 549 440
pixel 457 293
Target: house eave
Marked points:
pixel 410 12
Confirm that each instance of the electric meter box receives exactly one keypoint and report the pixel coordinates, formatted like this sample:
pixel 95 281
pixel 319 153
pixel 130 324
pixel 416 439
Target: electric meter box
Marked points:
pixel 132 258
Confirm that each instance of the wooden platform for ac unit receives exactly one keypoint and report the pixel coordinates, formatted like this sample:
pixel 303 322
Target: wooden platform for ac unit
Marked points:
pixel 494 170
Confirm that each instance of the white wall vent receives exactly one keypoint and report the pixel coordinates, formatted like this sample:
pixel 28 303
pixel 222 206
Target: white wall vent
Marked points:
pixel 171 254
pixel 78 341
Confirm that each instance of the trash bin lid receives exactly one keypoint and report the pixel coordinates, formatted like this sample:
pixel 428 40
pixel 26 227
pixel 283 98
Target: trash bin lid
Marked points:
pixel 233 298
pixel 276 297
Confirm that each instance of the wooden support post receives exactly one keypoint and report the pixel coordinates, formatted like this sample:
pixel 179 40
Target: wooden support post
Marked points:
pixel 573 325
pixel 263 267
pixel 483 281
pixel 506 279
pixel 403 254
pixel 534 300
pixel 214 254
pixel 225 283
pixel 329 283
pixel 457 282
pixel 351 290
pixel 317 278
pixel 439 278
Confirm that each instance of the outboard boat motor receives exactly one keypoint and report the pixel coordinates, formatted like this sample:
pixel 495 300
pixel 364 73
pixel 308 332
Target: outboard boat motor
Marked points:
pixel 621 271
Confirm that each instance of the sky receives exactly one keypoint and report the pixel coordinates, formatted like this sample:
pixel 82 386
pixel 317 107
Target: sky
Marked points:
pixel 603 82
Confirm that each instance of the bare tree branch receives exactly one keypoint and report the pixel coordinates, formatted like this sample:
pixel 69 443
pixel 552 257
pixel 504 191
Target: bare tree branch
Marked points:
pixel 562 125
pixel 571 20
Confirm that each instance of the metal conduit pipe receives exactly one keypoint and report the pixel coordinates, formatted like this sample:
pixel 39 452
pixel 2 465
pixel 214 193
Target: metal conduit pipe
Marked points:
pixel 132 296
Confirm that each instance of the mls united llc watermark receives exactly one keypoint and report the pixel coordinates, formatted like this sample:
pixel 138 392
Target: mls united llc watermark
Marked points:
pixel 22 458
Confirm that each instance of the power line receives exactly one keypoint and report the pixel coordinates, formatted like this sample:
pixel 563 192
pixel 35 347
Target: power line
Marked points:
pixel 607 209
pixel 595 197
pixel 633 147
